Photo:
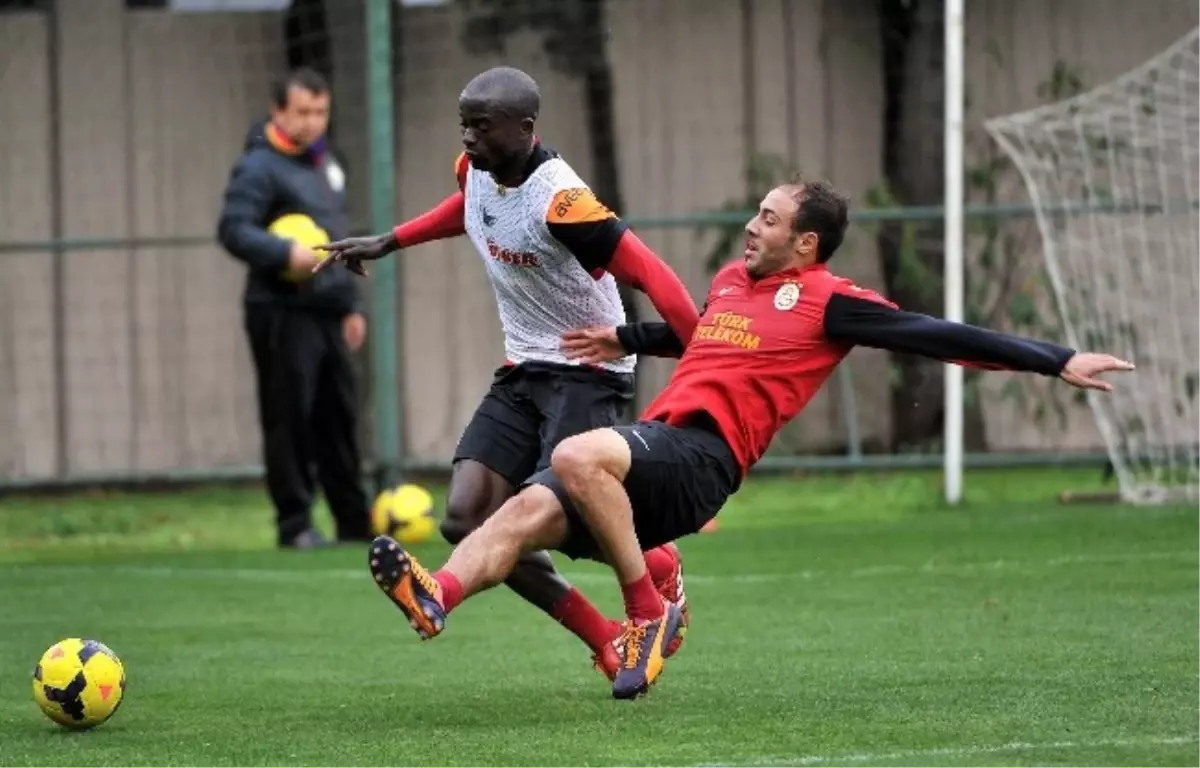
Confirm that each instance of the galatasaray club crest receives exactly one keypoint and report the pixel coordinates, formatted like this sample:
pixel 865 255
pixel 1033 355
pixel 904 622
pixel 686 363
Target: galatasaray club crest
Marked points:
pixel 787 296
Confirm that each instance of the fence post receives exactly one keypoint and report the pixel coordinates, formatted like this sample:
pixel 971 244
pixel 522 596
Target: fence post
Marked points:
pixel 849 399
pixel 387 332
pixel 58 256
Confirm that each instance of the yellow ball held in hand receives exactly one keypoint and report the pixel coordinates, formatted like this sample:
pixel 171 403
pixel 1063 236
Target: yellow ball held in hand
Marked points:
pixel 300 229
pixel 79 683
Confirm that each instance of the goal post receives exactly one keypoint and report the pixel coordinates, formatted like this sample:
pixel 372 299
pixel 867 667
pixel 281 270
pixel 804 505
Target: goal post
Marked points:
pixel 1112 177
pixel 954 256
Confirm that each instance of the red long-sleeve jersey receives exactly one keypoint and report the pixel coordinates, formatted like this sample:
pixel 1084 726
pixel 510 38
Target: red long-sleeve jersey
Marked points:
pixel 763 349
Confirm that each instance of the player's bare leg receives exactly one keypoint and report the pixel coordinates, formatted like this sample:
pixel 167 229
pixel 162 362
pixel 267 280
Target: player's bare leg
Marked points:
pixel 476 492
pixel 592 467
pixel 531 521
pixel 536 515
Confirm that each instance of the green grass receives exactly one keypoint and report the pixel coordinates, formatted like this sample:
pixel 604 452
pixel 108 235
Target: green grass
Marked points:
pixel 836 620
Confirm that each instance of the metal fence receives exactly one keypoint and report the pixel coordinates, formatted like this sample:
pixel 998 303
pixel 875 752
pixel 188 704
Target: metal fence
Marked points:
pixel 120 339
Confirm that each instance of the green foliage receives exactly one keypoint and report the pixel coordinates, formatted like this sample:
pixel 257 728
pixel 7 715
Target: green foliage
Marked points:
pixel 1191 383
pixel 1064 82
pixel 913 274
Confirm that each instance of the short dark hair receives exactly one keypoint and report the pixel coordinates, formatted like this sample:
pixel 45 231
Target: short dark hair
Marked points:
pixel 305 77
pixel 822 210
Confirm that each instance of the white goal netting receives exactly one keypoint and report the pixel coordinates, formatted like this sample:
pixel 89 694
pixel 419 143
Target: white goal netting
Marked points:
pixel 1112 175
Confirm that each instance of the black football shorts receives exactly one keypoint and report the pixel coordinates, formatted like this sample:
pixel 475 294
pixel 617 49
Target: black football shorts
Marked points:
pixel 678 480
pixel 532 407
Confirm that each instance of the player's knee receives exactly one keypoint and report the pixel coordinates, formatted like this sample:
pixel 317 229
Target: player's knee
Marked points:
pixel 454 530
pixel 531 520
pixel 579 459
pixel 462 516
pixel 574 459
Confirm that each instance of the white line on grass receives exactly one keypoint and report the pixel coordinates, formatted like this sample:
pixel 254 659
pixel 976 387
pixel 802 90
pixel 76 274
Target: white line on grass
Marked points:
pixel 905 754
pixel 591 577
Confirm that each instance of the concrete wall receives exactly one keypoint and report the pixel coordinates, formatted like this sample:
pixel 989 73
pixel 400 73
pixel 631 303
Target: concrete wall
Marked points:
pixel 154 109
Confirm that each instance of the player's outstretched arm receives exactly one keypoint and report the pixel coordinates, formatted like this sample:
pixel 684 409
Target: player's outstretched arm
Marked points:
pixel 446 219
pixel 593 346
pixel 649 338
pixel 601 243
pixel 600 345
pixel 861 317
pixel 635 265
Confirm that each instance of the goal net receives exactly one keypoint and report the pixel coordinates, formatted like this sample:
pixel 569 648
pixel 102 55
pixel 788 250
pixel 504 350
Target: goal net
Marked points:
pixel 1112 175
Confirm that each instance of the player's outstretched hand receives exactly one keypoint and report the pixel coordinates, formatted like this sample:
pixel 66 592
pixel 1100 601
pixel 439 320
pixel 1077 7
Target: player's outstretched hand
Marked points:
pixel 592 346
pixel 353 251
pixel 1083 368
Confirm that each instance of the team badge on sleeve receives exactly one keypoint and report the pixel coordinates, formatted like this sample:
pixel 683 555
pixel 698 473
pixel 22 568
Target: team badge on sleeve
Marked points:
pixel 577 205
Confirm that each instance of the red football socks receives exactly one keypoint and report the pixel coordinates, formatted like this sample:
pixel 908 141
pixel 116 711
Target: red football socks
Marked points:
pixel 452 589
pixel 642 600
pixel 661 561
pixel 576 613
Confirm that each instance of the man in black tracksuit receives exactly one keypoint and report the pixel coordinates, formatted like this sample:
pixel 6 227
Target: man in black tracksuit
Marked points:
pixel 303 331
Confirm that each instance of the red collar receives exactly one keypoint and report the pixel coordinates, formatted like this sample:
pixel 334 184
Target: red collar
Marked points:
pixel 280 140
pixel 795 274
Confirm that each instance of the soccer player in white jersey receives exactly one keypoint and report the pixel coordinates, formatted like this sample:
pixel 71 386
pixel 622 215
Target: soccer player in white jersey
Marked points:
pixel 554 254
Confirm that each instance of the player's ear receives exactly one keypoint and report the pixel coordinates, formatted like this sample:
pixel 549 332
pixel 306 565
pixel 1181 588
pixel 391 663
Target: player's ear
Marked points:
pixel 527 125
pixel 806 244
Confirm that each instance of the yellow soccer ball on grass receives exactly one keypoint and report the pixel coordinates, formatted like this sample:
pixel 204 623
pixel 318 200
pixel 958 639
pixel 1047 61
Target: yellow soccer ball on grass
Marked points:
pixel 405 513
pixel 301 229
pixel 79 683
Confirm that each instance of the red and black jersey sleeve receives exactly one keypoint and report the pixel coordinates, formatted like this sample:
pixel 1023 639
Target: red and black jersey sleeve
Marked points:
pixel 602 243
pixel 589 230
pixel 655 338
pixel 446 219
pixel 857 316
pixel 649 338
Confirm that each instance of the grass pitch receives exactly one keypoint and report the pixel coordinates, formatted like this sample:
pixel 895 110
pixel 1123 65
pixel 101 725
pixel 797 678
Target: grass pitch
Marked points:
pixel 836 620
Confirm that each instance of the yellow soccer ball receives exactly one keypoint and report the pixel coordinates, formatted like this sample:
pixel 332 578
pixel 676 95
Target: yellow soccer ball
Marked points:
pixel 405 513
pixel 79 683
pixel 301 229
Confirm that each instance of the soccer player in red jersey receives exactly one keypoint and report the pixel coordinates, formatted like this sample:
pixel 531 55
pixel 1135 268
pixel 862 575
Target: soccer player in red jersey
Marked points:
pixel 553 254
pixel 774 327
